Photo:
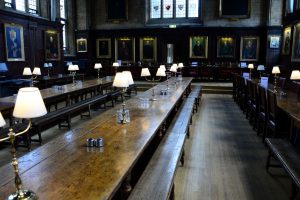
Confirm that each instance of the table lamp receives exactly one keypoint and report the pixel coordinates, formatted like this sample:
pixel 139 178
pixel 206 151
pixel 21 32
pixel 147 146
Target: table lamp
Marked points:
pixel 27 71
pixel 122 81
pixel 73 69
pixel 98 66
pixel 174 68
pixel 250 67
pixel 275 71
pixel 145 73
pixel 29 104
pixel 180 65
pixel 260 68
pixel 295 75
pixel 115 64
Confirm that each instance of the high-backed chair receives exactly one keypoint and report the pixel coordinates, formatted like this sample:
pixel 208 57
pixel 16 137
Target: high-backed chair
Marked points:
pixel 272 118
pixel 262 111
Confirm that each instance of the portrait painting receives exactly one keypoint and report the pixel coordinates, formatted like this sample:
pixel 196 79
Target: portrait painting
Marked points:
pixel 274 41
pixel 148 49
pixel 52 45
pixel 14 42
pixel 296 44
pixel 286 43
pixel 103 46
pixel 225 47
pixel 198 46
pixel 249 48
pixel 124 49
pixel 81 44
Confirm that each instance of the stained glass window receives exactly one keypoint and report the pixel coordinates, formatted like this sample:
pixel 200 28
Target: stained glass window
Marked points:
pixel 155 9
pixel 20 5
pixel 62 9
pixel 32 6
pixel 180 8
pixel 193 8
pixel 8 3
pixel 167 8
pixel 174 9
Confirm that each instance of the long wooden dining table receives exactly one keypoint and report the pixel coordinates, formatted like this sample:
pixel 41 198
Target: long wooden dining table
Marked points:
pixel 66 169
pixel 64 91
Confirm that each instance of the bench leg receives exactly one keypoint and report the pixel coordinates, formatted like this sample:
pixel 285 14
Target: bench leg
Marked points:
pixel 172 195
pixel 127 187
pixel 268 160
pixel 182 158
pixel 188 132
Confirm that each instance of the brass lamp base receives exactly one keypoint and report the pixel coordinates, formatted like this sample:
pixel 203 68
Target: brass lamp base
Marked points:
pixel 153 99
pixel 23 195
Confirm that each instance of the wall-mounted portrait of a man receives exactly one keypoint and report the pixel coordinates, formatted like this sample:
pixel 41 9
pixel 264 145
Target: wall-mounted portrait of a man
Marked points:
pixel 148 49
pixel 286 43
pixel 81 44
pixel 198 46
pixel 103 46
pixel 14 42
pixel 249 48
pixel 225 47
pixel 296 44
pixel 124 49
pixel 52 45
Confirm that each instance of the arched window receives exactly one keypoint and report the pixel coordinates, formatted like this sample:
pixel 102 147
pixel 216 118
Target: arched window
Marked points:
pixel 29 6
pixel 174 9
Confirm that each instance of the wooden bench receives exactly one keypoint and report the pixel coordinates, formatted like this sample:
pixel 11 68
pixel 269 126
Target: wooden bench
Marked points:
pixel 197 94
pixel 64 115
pixel 157 180
pixel 131 88
pixel 113 95
pixel 288 157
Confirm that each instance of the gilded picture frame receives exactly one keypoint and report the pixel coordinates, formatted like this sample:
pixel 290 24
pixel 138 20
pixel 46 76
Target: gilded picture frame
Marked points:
pixel 148 49
pixel 103 46
pixel 52 45
pixel 249 48
pixel 125 49
pixel 14 42
pixel 81 45
pixel 198 47
pixel 286 43
pixel 296 44
pixel 226 47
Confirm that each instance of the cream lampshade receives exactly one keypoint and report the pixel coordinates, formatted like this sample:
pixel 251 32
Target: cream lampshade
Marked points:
pixel 115 64
pixel 46 65
pixel 29 103
pixel 180 65
pixel 250 66
pixel 163 67
pixel 97 66
pixel 27 71
pixel 76 67
pixel 120 80
pixel 173 68
pixel 276 70
pixel 295 75
pixel 260 68
pixel 50 65
pixel 37 71
pixel 160 72
pixel 2 121
pixel 145 72
pixel 73 68
pixel 128 76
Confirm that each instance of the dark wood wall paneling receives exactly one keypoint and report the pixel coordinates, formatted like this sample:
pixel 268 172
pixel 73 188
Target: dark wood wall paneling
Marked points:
pixel 180 38
pixel 33 29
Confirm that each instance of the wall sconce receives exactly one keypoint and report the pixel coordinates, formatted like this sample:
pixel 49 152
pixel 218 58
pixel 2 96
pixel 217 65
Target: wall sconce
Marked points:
pixel 29 104
pixel 98 66
pixel 73 69
pixel 275 71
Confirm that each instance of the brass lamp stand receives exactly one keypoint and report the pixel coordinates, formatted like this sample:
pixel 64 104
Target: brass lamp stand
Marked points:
pixel 29 104
pixel 20 194
pixel 123 120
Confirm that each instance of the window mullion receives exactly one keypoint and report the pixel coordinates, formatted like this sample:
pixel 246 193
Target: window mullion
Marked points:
pixel 187 9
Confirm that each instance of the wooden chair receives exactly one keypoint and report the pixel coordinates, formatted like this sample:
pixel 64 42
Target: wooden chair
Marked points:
pixel 272 123
pixel 262 111
pixel 254 105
